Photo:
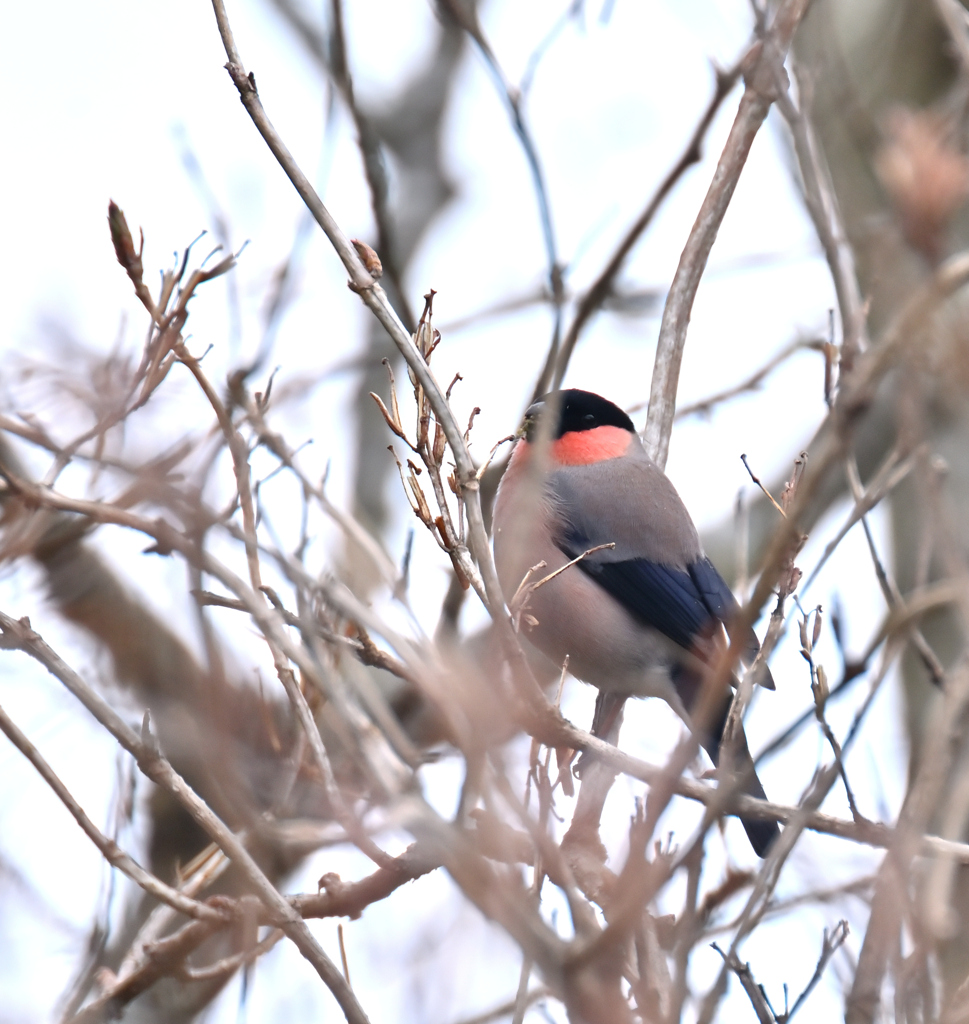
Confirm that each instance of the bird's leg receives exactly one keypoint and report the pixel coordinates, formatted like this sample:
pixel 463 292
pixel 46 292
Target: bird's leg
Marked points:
pixel 582 839
pixel 608 716
pixel 606 722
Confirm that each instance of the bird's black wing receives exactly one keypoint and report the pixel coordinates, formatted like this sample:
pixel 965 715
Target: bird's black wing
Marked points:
pixel 664 597
pixel 718 597
pixel 680 603
pixel 713 589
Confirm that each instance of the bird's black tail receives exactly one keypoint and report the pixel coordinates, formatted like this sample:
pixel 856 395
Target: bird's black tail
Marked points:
pixel 608 715
pixel 760 833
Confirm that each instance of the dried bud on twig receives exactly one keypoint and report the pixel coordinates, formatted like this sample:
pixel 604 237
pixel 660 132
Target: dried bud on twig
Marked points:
pixel 124 246
pixel 369 258
pixel 124 249
pixel 790 490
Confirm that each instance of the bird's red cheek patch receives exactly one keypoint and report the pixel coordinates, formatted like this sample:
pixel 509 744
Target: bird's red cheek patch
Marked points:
pixel 581 447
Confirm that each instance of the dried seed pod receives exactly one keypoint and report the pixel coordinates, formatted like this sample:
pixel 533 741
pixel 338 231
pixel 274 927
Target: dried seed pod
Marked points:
pixel 820 689
pixel 440 441
pixel 392 421
pixel 817 626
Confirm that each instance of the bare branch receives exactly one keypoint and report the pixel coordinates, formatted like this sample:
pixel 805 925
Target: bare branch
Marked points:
pixel 706 405
pixel 755 992
pixel 109 849
pixel 830 945
pixel 761 66
pixel 157 768
pixel 599 291
pixel 823 209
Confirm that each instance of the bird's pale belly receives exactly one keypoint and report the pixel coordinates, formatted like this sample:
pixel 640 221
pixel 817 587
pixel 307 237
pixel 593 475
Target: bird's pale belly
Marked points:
pixel 571 615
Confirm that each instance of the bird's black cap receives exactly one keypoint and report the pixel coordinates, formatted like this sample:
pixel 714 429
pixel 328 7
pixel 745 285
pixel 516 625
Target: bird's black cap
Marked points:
pixel 577 410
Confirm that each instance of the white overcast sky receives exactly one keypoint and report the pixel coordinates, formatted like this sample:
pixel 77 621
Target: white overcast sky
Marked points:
pixel 100 99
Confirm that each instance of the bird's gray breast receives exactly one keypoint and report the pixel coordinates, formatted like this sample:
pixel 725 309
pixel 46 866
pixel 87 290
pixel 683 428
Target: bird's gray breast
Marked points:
pixel 629 502
pixel 570 614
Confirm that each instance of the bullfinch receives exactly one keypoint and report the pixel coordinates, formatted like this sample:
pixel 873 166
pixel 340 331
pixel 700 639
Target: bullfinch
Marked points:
pixel 644 617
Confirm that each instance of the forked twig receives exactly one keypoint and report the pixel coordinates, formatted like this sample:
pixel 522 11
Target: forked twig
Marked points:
pixel 526 588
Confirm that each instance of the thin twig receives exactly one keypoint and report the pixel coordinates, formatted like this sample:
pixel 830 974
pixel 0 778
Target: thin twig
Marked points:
pixel 374 167
pixel 755 992
pixel 889 587
pixel 889 476
pixel 276 443
pixel 466 16
pixel 830 945
pixel 228 965
pixel 706 405
pixel 526 588
pixel 154 957
pixel 599 291
pixel 758 901
pixel 110 850
pixel 756 479
pixel 819 690
pixel 343 952
pixel 239 451
pixel 823 208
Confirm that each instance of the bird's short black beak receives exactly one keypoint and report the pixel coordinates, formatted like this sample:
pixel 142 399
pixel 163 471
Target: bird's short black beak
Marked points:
pixel 535 410
pixel 531 417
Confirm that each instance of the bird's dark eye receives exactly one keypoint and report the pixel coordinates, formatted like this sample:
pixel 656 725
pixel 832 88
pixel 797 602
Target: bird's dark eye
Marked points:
pixel 588 418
